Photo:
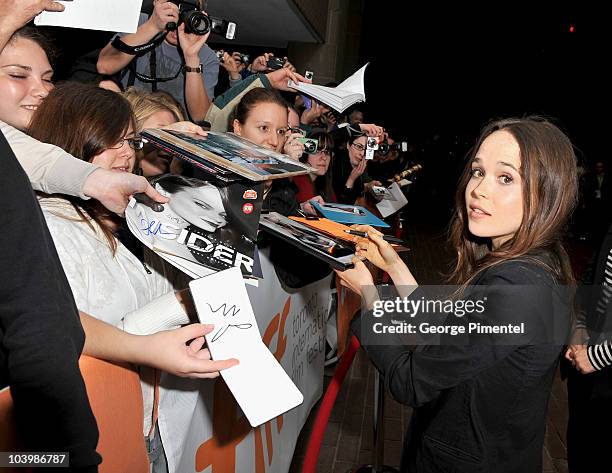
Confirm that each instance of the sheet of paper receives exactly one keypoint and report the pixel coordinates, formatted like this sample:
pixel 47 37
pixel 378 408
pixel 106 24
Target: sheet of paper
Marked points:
pixel 259 383
pixel 390 206
pixel 105 15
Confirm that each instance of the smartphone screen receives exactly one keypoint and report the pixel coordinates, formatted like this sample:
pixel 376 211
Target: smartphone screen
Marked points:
pixel 307 102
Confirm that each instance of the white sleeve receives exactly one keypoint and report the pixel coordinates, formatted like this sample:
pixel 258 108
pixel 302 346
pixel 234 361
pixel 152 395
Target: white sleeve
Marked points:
pixel 163 313
pixel 49 168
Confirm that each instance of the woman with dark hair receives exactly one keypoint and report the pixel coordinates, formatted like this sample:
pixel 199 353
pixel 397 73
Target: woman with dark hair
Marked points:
pixel 481 401
pixel 25 75
pixel 316 186
pixel 107 280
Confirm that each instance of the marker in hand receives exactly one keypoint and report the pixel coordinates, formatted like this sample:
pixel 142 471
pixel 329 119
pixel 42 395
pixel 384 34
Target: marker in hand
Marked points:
pixel 388 238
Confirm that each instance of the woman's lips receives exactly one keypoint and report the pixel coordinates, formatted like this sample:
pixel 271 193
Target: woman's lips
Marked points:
pixel 477 213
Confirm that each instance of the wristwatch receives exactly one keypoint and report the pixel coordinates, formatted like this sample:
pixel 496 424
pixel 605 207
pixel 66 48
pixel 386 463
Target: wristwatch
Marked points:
pixel 193 69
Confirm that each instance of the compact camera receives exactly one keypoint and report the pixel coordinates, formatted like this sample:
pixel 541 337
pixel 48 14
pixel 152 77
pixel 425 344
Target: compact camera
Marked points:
pixel 243 58
pixel 310 145
pixel 197 22
pixel 275 63
pixel 372 144
pixel 308 75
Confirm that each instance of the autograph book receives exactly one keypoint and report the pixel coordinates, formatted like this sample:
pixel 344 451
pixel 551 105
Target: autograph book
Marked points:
pixel 262 388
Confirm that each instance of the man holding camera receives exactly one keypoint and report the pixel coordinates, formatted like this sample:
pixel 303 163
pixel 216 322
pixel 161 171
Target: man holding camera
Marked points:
pixel 184 65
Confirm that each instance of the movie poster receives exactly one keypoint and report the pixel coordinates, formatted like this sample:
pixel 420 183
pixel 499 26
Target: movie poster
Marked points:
pixel 206 227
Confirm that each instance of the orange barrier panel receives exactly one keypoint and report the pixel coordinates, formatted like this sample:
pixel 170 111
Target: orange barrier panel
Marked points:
pixel 116 400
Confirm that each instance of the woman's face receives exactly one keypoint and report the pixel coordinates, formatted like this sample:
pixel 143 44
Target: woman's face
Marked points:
pixel 356 151
pixel 200 206
pixel 320 161
pixel 494 194
pixel 154 162
pixel 266 126
pixel 119 158
pixel 25 80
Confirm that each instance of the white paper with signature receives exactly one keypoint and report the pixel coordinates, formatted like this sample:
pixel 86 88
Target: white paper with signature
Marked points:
pixel 106 15
pixel 259 383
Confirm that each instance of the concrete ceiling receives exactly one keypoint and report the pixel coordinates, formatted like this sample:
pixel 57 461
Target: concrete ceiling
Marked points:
pixel 270 23
pixel 264 22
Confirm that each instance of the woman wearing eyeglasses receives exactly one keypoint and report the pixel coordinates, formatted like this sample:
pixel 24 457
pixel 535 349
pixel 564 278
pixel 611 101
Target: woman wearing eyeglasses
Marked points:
pixel 349 166
pixel 316 186
pixel 108 281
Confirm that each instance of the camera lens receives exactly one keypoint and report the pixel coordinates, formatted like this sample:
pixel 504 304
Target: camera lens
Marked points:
pixel 196 22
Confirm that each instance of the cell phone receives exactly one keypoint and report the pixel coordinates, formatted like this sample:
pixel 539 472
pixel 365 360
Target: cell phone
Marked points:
pixel 307 102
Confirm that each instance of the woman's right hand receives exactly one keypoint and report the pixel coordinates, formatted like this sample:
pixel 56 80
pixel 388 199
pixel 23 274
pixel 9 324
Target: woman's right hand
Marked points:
pixel 376 250
pixel 355 173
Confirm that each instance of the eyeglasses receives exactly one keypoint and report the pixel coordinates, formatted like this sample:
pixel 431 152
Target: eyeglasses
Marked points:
pixel 325 152
pixel 359 147
pixel 135 143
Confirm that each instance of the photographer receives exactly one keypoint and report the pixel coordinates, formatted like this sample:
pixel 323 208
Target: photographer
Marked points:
pixel 349 166
pixel 185 66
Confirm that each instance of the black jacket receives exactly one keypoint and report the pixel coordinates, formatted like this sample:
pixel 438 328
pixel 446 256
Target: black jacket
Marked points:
pixel 41 337
pixel 480 407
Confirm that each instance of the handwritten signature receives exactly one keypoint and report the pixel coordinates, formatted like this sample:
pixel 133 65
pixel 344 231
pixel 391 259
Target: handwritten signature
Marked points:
pixel 153 227
pixel 227 311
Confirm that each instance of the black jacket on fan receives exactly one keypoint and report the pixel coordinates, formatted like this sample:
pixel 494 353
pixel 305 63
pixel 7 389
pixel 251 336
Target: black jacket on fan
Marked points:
pixel 41 337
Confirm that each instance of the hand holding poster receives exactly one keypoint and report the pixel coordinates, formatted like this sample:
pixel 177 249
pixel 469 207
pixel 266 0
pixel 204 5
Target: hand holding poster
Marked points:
pixel 206 227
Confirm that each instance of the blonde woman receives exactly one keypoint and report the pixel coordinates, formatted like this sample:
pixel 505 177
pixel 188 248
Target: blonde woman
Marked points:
pixel 157 110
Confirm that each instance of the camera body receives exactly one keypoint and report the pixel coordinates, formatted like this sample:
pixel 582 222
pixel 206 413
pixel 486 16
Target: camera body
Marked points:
pixel 310 145
pixel 199 23
pixel 275 63
pixel 308 75
pixel 244 58
pixel 372 144
pixel 385 147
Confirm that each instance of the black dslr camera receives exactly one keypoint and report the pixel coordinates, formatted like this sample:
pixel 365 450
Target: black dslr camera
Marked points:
pixel 197 22
pixel 385 147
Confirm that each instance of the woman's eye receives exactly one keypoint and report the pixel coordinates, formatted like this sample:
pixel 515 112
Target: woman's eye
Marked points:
pixel 17 76
pixel 204 205
pixel 505 179
pixel 264 128
pixel 476 172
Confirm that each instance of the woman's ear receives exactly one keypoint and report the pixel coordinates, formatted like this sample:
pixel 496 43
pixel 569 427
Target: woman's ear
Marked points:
pixel 237 127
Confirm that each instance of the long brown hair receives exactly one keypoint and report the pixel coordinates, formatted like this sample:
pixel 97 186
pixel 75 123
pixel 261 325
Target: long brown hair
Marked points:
pixel 84 120
pixel 550 189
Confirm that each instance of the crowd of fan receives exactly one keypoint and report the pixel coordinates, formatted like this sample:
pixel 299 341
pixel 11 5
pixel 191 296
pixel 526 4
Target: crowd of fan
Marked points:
pixel 79 145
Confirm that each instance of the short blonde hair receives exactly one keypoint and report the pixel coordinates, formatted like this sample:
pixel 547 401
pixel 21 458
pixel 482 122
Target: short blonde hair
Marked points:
pixel 145 104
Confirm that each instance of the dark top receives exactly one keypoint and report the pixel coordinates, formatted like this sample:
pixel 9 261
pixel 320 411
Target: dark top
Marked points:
pixel 479 407
pixel 341 170
pixel 41 337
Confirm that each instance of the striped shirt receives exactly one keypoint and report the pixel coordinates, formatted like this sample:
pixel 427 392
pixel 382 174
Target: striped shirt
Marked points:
pixel 600 355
